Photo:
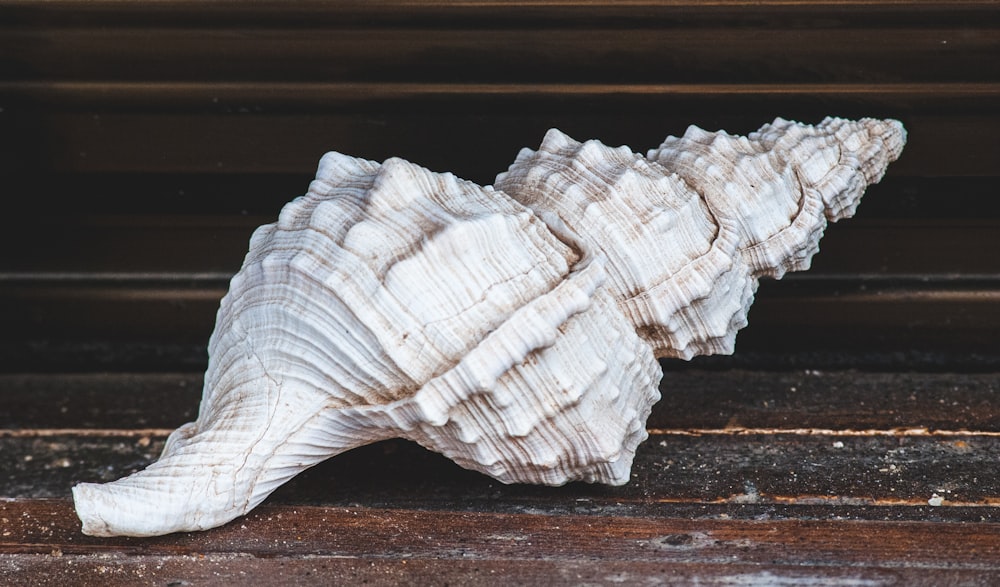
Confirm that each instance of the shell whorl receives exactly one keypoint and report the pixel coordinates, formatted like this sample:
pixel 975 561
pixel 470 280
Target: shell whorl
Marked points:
pixel 398 273
pixel 514 329
pixel 393 301
pixel 673 264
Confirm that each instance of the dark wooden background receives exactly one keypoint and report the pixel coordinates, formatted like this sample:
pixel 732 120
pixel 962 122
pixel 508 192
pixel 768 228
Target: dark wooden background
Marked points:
pixel 854 437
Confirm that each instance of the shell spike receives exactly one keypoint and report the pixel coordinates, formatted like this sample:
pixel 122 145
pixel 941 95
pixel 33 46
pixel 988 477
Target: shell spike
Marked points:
pixel 555 140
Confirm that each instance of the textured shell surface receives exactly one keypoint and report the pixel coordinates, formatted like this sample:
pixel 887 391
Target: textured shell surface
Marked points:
pixel 514 329
pixel 628 207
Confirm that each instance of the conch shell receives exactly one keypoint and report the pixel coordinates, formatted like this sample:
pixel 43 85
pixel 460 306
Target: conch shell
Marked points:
pixel 515 329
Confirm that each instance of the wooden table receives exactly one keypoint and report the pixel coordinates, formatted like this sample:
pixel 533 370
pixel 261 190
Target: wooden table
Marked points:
pixel 853 439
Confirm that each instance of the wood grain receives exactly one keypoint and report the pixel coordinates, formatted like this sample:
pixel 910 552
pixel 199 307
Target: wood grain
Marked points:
pixel 36 526
pixel 472 131
pixel 332 542
pixel 505 54
pixel 236 569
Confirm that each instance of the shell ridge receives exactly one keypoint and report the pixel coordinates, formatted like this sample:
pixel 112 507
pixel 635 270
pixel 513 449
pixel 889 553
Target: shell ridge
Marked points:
pixel 540 319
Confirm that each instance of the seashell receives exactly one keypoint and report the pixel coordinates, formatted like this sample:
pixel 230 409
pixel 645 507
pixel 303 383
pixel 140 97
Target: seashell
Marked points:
pixel 514 330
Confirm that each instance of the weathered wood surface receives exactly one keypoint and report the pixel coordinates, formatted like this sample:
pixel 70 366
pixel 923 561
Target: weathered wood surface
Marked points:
pixel 499 548
pixel 866 469
pixel 748 477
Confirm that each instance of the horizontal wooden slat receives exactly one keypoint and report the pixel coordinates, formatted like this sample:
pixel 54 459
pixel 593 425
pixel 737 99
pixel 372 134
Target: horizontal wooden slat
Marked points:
pixel 74 200
pixel 171 310
pixel 247 97
pixel 843 441
pixel 764 467
pixel 197 245
pixel 474 134
pixel 474 130
pixel 364 536
pixel 789 315
pixel 496 12
pixel 106 400
pixel 686 463
pixel 693 399
pixel 835 400
pixel 635 51
pixel 926 247
pixel 132 244
pixel 56 569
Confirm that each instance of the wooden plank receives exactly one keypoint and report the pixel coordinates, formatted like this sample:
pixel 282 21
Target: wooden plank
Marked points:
pixel 693 399
pixel 908 247
pixel 172 310
pixel 523 541
pixel 473 131
pixel 111 570
pixel 881 468
pixel 261 196
pixel 788 315
pixel 869 316
pixel 103 400
pixel 489 11
pixel 232 97
pixel 193 244
pixel 216 195
pixel 833 400
pixel 637 52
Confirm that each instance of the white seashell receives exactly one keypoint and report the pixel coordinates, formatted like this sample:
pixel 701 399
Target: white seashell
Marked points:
pixel 516 334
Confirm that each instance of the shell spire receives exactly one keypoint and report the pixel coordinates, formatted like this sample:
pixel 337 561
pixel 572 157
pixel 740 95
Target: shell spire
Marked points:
pixel 513 329
pixel 782 183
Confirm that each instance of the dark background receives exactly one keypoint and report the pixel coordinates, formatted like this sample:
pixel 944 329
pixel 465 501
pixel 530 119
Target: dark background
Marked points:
pixel 140 144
